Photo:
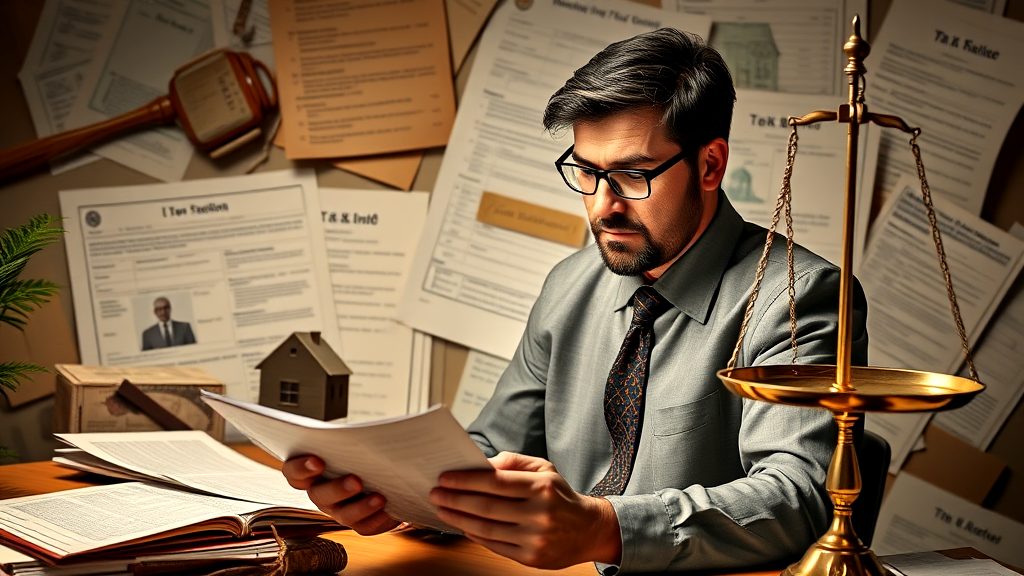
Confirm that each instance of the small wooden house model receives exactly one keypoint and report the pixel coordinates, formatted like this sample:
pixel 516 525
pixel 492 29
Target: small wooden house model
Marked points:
pixel 304 376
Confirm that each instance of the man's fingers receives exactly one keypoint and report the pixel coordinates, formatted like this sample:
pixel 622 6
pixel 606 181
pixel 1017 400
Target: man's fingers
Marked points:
pixel 507 483
pixel 480 505
pixel 302 471
pixel 516 461
pixel 476 526
pixel 328 493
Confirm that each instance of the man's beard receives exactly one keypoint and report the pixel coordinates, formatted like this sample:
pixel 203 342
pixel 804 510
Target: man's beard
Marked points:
pixel 622 260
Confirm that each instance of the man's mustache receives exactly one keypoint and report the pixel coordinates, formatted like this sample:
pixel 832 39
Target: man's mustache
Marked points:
pixel 617 222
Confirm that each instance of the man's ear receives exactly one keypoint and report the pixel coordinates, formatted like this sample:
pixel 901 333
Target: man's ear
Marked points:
pixel 712 160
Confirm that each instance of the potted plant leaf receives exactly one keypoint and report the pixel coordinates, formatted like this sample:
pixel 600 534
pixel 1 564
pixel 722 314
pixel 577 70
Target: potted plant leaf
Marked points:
pixel 20 296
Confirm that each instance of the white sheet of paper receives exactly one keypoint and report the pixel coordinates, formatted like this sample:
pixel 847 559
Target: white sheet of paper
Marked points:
pixel 998 360
pixel 473 283
pixel 370 237
pixel 62 48
pixel 917 516
pixel 133 66
pixel 955 73
pixel 935 564
pixel 399 457
pixel 192 458
pixel 757 160
pixel 479 378
pixel 782 45
pixel 240 258
pixel 909 320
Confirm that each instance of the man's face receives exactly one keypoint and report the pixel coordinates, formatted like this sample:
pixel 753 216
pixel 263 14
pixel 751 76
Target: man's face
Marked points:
pixel 162 309
pixel 637 236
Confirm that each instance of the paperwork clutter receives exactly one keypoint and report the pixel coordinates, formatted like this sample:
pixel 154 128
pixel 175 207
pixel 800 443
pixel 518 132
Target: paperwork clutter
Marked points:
pixel 195 500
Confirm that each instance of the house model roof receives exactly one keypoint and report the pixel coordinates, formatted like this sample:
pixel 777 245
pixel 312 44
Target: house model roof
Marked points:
pixel 321 351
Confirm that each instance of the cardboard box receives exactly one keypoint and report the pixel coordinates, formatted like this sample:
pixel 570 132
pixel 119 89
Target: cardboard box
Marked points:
pixel 85 398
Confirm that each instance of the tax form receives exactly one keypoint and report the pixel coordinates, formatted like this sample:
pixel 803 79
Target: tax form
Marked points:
pixel 472 283
pixel 370 237
pixel 781 45
pixel 146 42
pixel 62 48
pixel 242 260
pixel 757 159
pixel 909 319
pixel 955 73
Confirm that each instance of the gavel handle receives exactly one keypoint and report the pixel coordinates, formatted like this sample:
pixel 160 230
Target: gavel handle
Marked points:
pixel 20 160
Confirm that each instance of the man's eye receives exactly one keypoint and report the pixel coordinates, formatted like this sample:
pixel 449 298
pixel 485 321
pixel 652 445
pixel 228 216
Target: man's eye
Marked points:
pixel 586 171
pixel 636 177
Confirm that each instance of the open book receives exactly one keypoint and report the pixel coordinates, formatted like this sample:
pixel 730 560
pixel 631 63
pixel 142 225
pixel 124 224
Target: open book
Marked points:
pixel 399 457
pixel 131 519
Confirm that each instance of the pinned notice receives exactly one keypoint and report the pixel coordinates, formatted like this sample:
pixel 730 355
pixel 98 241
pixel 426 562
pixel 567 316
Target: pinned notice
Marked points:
pixel 532 220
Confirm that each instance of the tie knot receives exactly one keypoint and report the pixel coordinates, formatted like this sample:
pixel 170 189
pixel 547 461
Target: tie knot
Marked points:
pixel 647 305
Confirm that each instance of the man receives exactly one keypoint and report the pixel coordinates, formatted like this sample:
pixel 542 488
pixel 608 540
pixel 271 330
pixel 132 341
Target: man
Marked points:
pixel 693 477
pixel 166 332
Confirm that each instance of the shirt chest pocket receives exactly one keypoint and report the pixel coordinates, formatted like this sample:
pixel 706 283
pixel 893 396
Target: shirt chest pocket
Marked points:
pixel 685 445
pixel 673 420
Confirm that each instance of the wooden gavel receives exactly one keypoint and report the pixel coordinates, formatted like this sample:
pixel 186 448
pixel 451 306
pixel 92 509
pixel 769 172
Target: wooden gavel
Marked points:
pixel 218 99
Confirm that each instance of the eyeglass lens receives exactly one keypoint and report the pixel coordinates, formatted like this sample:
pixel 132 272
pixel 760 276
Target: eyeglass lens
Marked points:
pixel 625 184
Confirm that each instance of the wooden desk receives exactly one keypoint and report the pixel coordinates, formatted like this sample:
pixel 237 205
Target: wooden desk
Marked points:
pixel 393 554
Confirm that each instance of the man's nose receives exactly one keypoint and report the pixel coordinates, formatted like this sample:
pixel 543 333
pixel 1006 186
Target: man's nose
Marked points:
pixel 606 201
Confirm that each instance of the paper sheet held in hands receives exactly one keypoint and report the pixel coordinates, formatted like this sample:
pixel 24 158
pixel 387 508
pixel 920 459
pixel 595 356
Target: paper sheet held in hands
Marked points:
pixel 399 457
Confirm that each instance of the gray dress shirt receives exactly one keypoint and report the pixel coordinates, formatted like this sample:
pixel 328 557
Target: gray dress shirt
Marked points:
pixel 719 481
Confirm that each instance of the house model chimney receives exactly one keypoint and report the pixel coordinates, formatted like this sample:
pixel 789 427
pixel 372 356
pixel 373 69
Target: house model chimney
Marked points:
pixel 315 336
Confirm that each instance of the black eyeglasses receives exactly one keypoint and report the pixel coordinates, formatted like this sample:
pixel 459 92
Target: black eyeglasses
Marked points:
pixel 632 184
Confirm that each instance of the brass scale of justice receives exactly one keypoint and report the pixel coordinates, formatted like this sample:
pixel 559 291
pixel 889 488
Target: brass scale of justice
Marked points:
pixel 844 390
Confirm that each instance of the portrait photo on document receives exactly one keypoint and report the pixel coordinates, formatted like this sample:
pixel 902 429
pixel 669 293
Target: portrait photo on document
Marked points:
pixel 164 319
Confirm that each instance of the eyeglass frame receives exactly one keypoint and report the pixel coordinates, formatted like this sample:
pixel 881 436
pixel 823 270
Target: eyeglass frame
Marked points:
pixel 648 174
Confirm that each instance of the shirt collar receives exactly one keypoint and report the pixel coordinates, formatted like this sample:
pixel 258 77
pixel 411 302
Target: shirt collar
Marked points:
pixel 691 283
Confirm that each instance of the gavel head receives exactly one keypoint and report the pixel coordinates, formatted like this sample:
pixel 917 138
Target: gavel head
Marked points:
pixel 221 98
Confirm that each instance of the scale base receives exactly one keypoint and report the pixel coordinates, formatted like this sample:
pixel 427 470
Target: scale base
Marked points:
pixel 822 561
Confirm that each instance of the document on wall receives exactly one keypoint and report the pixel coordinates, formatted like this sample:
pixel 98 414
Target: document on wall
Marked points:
pixel 465 20
pixel 233 265
pixel 254 36
pixel 917 516
pixel 955 73
pixel 147 40
pixel 370 237
pixel 757 160
pixel 998 360
pixel 783 46
pixel 479 378
pixel 474 283
pixel 62 47
pixel 910 322
pixel 356 79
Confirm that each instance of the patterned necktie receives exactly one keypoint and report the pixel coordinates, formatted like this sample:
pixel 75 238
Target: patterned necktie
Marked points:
pixel 167 335
pixel 624 391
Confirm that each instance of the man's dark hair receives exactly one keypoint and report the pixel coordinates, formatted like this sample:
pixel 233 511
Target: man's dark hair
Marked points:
pixel 669 70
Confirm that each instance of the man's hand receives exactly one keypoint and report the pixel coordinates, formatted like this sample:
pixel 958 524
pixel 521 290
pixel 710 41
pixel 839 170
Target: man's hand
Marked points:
pixel 525 510
pixel 340 498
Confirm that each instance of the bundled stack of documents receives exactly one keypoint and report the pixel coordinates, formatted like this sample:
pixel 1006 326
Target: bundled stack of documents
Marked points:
pixel 196 501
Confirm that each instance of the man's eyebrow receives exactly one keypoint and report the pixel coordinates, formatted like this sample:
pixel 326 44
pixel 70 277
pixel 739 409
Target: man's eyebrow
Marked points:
pixel 628 161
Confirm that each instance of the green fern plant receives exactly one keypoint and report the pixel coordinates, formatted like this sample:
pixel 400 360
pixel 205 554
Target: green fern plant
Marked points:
pixel 19 297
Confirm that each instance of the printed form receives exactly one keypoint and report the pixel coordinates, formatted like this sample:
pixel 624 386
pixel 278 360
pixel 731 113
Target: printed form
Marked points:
pixel 370 237
pixel 782 45
pixel 146 42
pixel 239 262
pixel 955 73
pixel 473 283
pixel 909 321
pixel 757 160
pixel 62 48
